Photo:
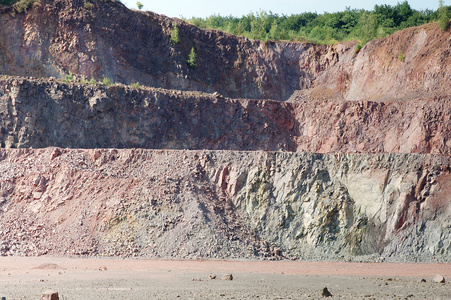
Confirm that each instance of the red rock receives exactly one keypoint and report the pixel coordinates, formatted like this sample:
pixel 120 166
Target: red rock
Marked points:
pixel 50 295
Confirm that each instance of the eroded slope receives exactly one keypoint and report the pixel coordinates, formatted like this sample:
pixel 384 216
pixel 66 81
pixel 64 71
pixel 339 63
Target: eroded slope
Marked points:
pixel 225 204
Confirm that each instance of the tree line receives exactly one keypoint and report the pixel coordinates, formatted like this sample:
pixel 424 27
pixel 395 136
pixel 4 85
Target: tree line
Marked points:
pixel 327 28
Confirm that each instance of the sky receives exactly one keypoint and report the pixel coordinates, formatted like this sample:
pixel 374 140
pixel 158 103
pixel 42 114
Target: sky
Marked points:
pixel 238 8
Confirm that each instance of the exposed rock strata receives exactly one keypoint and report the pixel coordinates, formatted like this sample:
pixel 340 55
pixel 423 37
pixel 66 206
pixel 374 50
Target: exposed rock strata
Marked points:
pixel 56 37
pixel 41 113
pixel 220 204
pixel 109 40
pixel 410 64
pixel 225 204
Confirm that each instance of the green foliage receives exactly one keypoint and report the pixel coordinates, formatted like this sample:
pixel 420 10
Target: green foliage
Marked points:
pixel 7 2
pixel 351 24
pixel 77 79
pixel 139 5
pixel 358 47
pixel 175 39
pixel 92 81
pixel 69 77
pixel 444 16
pixel 192 59
pixel 136 85
pixel 106 81
pixel 22 5
pixel 87 5
pixel 402 56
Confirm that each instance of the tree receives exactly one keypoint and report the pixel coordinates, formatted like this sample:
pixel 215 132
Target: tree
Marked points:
pixel 175 39
pixel 192 59
pixel 139 5
pixel 358 24
pixel 443 16
pixel 274 32
pixel 367 27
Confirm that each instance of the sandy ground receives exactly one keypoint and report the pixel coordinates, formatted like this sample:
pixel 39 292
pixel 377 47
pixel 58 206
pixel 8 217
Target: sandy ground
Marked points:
pixel 73 278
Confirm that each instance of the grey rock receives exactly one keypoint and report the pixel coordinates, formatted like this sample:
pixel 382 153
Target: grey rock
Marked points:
pixel 227 277
pixel 438 279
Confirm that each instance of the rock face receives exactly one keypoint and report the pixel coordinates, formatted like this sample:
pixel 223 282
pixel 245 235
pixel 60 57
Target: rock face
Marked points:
pixel 410 64
pixel 225 204
pixel 42 113
pixel 109 40
pixel 356 166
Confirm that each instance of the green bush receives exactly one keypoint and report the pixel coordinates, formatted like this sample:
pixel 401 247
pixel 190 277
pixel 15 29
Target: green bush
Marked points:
pixel 358 47
pixel 87 5
pixel 192 59
pixel 136 85
pixel 7 2
pixel 69 77
pixel 23 5
pixel 175 39
pixel 139 5
pixel 106 81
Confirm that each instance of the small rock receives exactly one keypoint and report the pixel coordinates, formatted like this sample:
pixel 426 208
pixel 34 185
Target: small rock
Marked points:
pixel 227 277
pixel 56 152
pixel 422 280
pixel 50 295
pixel 326 293
pixel 212 276
pixel 438 279
pixel 96 154
pixel 103 269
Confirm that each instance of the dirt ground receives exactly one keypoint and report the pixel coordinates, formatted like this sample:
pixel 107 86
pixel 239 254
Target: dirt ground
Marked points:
pixel 74 278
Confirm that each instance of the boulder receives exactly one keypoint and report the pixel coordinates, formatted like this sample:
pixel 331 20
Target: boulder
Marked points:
pixel 50 295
